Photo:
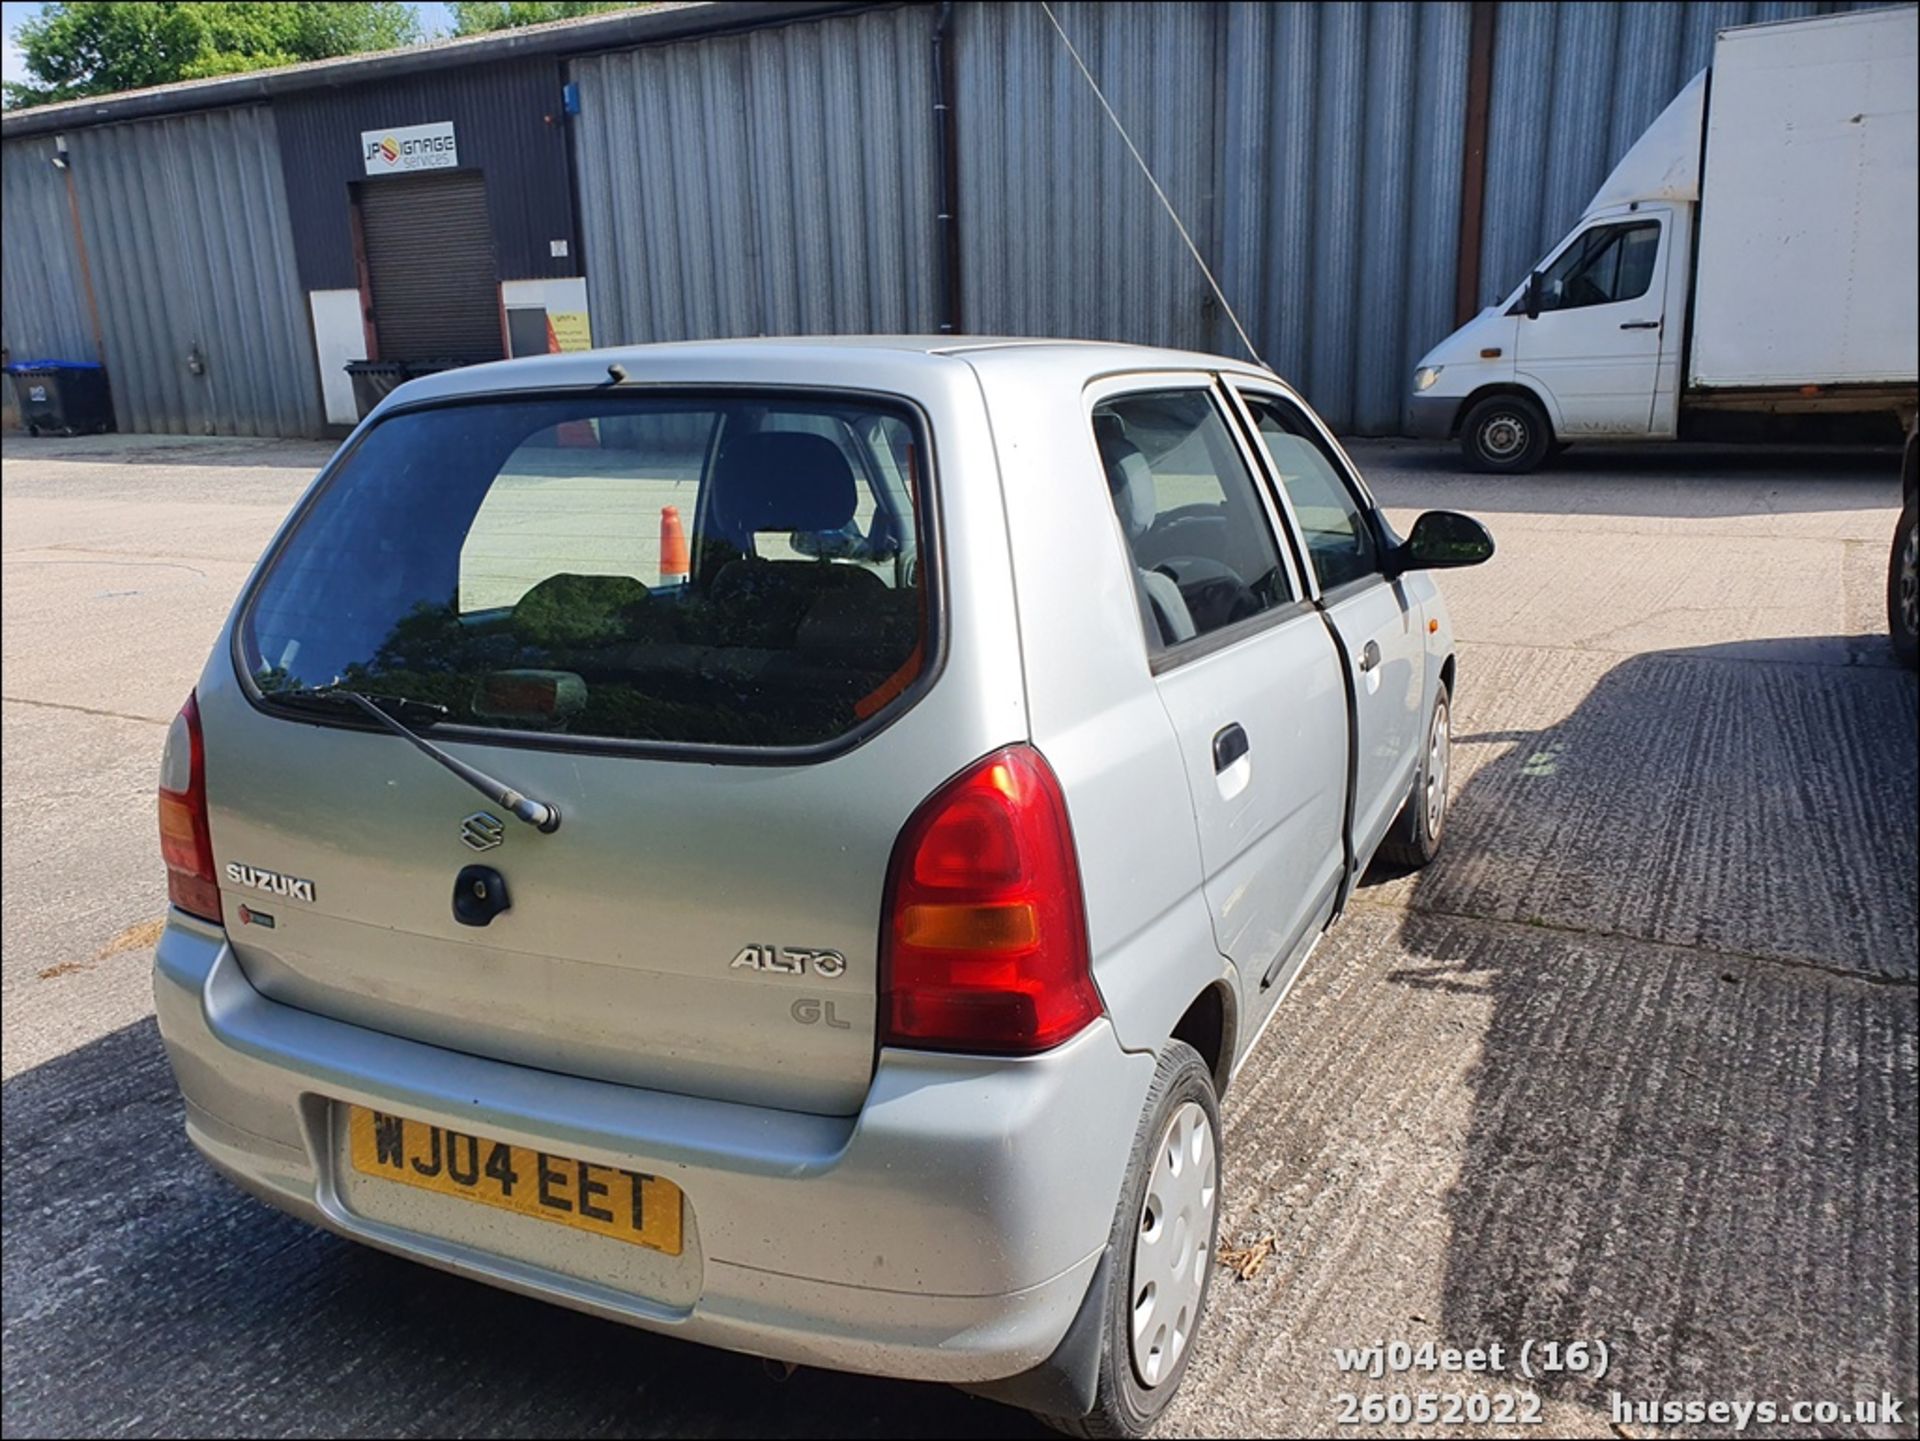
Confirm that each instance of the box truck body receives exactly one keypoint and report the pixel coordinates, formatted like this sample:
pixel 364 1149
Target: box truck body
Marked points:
pixel 1755 250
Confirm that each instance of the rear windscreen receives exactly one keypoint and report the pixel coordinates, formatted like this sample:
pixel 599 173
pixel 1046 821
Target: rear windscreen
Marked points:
pixel 717 571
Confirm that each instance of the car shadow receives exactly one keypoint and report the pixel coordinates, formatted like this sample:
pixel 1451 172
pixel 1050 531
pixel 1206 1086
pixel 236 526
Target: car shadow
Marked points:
pixel 1688 913
pixel 143 1295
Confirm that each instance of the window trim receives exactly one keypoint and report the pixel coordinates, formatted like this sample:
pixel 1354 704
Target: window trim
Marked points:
pixel 1162 658
pixel 932 552
pixel 1385 541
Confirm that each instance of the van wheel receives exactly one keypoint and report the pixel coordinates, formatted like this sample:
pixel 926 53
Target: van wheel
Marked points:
pixel 1903 585
pixel 1505 434
pixel 1162 1250
pixel 1422 822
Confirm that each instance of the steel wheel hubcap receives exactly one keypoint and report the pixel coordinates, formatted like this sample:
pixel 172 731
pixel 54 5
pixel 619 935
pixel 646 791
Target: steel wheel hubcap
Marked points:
pixel 1503 435
pixel 1909 581
pixel 1173 1244
pixel 1439 757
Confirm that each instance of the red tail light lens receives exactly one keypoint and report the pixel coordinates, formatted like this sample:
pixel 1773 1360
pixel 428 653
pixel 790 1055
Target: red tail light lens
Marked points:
pixel 184 843
pixel 985 938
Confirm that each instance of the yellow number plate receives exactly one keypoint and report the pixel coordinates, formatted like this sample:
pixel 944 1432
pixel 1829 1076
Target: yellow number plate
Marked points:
pixel 627 1205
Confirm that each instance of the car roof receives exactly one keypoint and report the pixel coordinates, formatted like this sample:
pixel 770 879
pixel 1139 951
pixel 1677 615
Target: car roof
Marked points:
pixel 760 358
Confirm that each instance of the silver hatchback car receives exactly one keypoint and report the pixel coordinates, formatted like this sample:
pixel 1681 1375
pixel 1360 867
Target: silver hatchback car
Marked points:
pixel 785 843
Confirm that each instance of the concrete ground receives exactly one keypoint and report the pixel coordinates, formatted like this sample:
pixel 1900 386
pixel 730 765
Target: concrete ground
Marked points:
pixel 1635 1062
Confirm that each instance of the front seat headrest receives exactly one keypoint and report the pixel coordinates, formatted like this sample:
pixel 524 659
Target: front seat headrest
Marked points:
pixel 783 480
pixel 1128 477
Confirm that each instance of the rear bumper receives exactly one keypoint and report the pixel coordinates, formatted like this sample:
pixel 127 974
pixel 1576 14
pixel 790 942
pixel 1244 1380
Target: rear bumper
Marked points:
pixel 1431 417
pixel 946 1233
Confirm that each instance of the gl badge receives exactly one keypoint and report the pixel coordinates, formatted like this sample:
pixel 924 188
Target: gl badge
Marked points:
pixel 482 832
pixel 791 961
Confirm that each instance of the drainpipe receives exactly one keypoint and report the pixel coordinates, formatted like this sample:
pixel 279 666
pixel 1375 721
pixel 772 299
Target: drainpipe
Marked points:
pixel 946 171
pixel 1473 169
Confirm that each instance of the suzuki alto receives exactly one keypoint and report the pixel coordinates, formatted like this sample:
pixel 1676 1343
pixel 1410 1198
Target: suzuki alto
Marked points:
pixel 786 843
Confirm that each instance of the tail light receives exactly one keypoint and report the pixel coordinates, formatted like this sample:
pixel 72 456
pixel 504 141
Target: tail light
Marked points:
pixel 184 843
pixel 984 946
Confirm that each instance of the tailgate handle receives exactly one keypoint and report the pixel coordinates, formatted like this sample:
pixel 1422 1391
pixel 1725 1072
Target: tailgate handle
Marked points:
pixel 1229 745
pixel 479 894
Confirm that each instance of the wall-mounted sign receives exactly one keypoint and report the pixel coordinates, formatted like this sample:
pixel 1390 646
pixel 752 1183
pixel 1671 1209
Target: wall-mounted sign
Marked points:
pixel 409 148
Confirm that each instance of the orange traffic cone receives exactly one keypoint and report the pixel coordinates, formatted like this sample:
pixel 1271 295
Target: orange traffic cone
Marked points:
pixel 674 566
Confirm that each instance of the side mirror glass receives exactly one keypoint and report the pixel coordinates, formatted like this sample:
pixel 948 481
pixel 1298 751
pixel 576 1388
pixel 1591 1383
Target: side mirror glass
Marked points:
pixel 1443 539
pixel 1535 283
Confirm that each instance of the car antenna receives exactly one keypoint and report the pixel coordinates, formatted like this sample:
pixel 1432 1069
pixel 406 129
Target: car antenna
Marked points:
pixel 616 372
pixel 539 814
pixel 1145 170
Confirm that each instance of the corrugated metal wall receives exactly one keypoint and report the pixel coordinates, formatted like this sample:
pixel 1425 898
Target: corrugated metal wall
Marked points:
pixel 40 286
pixel 1342 197
pixel 1574 84
pixel 774 183
pixel 1060 234
pixel 187 231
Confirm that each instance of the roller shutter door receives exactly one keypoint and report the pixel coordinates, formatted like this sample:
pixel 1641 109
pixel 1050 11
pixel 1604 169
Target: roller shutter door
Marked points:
pixel 430 264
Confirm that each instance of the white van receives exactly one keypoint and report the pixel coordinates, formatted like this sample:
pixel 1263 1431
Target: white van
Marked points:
pixel 1754 251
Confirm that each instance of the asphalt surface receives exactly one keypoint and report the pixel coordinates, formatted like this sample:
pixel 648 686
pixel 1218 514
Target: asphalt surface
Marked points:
pixel 1635 1061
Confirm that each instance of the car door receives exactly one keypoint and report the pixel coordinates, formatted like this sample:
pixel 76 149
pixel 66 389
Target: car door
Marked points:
pixel 1595 344
pixel 1243 665
pixel 1376 622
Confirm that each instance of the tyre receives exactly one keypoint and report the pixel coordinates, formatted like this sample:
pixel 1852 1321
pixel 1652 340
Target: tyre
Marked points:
pixel 1506 434
pixel 1903 589
pixel 1162 1250
pixel 1422 822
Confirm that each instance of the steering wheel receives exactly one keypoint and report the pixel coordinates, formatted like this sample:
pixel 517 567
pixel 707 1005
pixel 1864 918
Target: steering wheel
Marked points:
pixel 1214 592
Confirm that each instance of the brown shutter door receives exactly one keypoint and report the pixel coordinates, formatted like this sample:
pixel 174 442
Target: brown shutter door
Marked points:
pixel 430 262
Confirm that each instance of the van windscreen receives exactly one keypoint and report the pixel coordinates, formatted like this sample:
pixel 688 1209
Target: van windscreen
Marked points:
pixel 732 571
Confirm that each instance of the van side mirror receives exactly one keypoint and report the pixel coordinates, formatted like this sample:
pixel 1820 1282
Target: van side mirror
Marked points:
pixel 1532 298
pixel 1442 540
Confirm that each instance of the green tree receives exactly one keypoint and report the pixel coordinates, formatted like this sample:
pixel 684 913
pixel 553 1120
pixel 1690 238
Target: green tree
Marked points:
pixel 98 48
pixel 478 17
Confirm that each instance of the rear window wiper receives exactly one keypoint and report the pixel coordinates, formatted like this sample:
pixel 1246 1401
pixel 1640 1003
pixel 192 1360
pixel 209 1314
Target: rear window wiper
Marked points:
pixel 335 697
pixel 542 815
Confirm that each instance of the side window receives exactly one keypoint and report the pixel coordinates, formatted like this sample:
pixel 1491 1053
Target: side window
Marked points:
pixel 1606 264
pixel 1203 553
pixel 1340 539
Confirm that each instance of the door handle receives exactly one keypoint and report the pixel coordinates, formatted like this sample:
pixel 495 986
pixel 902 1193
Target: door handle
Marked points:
pixel 1369 656
pixel 1639 325
pixel 1229 745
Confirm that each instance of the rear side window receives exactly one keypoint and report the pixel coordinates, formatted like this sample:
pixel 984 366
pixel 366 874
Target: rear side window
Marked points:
pixel 719 571
pixel 1203 554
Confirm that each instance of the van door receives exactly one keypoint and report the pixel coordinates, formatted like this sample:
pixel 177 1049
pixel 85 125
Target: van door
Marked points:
pixel 1244 667
pixel 1595 345
pixel 1379 628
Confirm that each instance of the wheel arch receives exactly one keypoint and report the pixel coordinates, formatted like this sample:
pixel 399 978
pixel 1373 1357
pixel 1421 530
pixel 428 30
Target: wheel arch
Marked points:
pixel 1210 1024
pixel 1508 387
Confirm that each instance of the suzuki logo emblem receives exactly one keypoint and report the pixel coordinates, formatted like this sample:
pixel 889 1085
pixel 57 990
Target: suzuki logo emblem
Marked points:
pixel 482 832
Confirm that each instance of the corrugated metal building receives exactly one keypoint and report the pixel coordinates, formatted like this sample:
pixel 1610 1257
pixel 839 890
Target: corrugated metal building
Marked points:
pixel 1357 175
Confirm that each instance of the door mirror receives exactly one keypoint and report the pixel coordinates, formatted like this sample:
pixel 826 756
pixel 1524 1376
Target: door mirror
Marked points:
pixel 1531 299
pixel 1443 539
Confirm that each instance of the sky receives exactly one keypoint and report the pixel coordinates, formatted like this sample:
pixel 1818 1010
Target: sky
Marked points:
pixel 434 19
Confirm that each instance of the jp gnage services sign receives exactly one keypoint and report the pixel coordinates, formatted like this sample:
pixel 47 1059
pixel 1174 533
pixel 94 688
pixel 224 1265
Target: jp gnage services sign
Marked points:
pixel 409 148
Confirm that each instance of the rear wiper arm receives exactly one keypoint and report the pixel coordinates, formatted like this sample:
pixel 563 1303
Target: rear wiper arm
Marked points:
pixel 542 815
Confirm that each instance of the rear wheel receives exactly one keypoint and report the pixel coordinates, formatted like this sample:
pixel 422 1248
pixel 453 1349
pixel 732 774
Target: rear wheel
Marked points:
pixel 1903 586
pixel 1506 434
pixel 1416 834
pixel 1161 1249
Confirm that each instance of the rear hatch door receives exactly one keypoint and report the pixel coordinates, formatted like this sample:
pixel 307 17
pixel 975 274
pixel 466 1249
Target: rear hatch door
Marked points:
pixel 701 627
